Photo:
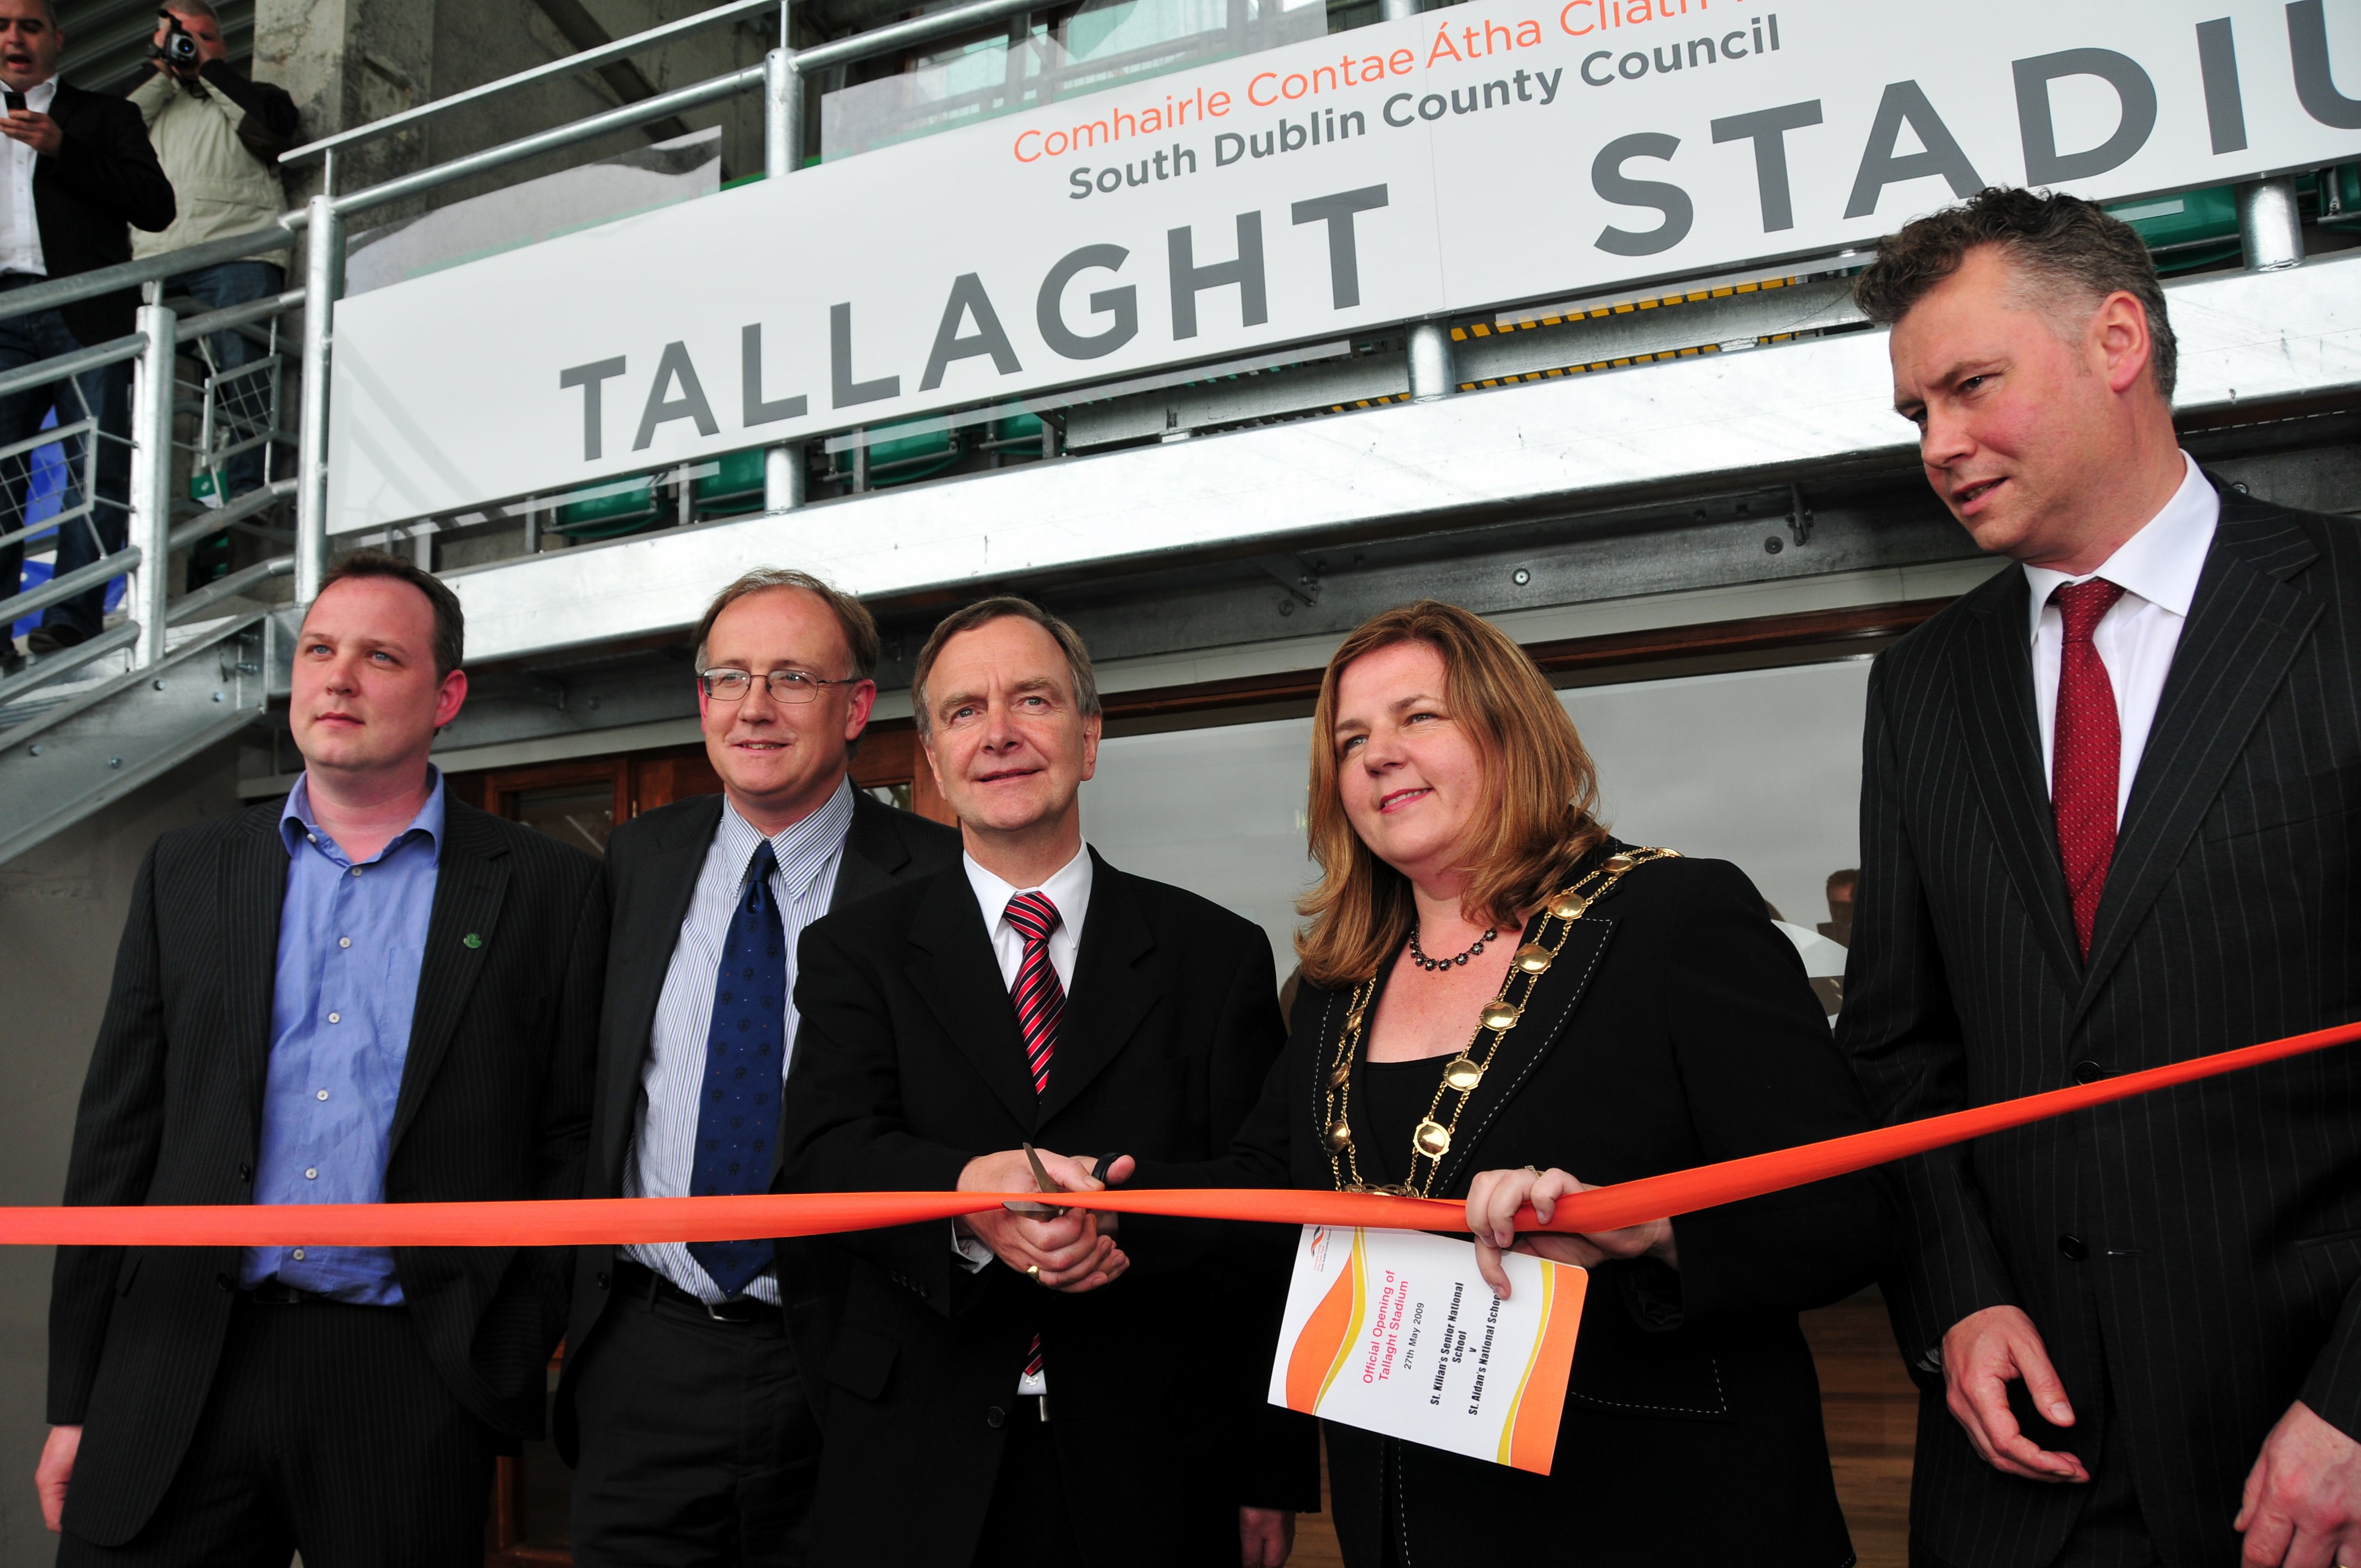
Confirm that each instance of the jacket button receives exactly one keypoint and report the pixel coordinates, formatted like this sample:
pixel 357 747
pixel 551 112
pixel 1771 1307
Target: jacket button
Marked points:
pixel 995 1417
pixel 224 1281
pixel 603 1282
pixel 2073 1249
pixel 2088 1072
pixel 246 1173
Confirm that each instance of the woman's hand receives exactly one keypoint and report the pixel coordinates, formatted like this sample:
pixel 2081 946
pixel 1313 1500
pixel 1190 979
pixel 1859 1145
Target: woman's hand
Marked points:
pixel 1494 1198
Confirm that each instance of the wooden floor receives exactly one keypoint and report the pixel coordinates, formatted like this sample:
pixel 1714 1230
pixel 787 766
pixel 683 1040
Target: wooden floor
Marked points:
pixel 1869 1403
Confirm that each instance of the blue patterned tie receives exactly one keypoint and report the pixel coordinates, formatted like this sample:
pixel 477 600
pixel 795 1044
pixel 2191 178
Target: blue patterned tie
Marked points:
pixel 735 1117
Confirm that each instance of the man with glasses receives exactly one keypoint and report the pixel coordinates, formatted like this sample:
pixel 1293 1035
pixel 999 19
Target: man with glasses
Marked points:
pixel 690 1401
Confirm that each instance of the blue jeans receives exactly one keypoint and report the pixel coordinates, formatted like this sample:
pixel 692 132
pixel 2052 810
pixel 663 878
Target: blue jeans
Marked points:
pixel 217 288
pixel 27 340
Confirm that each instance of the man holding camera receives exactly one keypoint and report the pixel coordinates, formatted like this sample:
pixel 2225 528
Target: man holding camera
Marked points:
pixel 218 134
pixel 74 171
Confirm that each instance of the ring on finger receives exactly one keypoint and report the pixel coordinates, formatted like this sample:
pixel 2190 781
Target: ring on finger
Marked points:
pixel 1034 1273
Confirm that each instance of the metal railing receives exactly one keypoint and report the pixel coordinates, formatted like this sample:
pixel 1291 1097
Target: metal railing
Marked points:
pixel 181 427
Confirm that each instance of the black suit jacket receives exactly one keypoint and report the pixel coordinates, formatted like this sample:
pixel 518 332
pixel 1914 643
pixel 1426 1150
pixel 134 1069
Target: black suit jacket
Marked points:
pixel 908 1065
pixel 494 1104
pixel 1676 1028
pixel 652 864
pixel 2190 1257
pixel 104 177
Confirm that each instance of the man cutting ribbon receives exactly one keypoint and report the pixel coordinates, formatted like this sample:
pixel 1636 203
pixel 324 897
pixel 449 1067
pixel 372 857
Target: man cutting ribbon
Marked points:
pixel 1053 1397
pixel 2106 825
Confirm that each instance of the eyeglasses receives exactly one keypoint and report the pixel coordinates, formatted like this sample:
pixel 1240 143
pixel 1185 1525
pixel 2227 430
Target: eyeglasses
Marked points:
pixel 787 686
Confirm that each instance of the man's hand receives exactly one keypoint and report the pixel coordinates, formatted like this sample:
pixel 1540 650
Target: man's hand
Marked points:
pixel 36 131
pixel 1493 1199
pixel 2302 1504
pixel 1067 1250
pixel 56 1468
pixel 1265 1537
pixel 1982 1355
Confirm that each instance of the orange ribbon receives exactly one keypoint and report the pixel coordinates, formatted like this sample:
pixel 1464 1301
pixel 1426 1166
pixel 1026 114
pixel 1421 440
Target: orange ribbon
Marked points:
pixel 618 1221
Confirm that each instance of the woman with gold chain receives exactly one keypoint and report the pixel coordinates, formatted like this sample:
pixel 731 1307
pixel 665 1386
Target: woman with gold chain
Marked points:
pixel 1496 993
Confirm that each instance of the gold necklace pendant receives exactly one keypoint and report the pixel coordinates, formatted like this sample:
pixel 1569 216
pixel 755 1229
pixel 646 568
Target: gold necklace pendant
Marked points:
pixel 1433 1139
pixel 1501 1015
pixel 1463 1073
pixel 1340 1136
pixel 1532 959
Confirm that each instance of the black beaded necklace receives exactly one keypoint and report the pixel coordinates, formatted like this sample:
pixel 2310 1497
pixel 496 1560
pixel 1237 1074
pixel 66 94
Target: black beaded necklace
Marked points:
pixel 1420 957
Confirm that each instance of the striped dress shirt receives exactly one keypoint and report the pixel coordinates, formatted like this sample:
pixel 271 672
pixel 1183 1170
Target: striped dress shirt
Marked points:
pixel 809 854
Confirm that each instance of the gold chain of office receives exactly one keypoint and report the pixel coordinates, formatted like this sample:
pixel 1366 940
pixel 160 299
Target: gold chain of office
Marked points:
pixel 1431 1140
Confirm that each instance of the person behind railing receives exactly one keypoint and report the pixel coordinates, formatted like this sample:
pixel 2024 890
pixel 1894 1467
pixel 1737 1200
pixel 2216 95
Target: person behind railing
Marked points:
pixel 218 134
pixel 75 170
pixel 1498 993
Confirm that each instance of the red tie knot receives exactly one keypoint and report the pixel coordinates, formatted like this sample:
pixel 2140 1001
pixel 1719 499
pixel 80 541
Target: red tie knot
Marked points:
pixel 1033 915
pixel 2084 605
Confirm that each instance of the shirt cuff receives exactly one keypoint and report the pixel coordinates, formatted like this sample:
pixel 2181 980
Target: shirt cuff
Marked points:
pixel 971 1252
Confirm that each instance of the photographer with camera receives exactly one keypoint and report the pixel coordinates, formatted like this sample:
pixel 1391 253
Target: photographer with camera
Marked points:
pixel 75 171
pixel 218 134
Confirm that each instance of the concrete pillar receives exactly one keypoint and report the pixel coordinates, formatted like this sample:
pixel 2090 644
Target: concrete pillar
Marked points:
pixel 346 62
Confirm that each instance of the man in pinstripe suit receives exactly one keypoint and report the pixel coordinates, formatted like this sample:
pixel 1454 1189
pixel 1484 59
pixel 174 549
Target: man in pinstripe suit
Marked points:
pixel 364 994
pixel 2107 823
pixel 690 1399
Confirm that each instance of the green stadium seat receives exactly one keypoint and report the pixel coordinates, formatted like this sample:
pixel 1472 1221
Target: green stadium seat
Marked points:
pixel 628 508
pixel 734 486
pixel 2193 228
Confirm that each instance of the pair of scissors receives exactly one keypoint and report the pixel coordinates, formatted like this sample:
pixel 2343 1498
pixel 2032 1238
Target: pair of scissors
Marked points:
pixel 1042 1183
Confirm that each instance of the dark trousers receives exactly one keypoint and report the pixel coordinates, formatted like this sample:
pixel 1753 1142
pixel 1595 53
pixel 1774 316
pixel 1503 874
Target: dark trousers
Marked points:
pixel 698 1448
pixel 327 1432
pixel 105 393
pixel 242 404
pixel 1029 1525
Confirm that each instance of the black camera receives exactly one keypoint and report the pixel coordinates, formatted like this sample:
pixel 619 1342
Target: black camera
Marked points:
pixel 179 49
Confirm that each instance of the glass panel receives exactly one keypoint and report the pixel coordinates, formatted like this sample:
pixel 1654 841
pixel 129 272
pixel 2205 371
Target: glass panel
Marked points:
pixel 1761 767
pixel 894 794
pixel 582 815
pixel 1104 43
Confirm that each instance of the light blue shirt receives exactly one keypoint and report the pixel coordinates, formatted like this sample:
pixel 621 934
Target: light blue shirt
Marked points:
pixel 351 941
pixel 807 855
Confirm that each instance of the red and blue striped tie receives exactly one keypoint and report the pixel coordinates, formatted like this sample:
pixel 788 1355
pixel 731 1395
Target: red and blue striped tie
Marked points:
pixel 1040 1001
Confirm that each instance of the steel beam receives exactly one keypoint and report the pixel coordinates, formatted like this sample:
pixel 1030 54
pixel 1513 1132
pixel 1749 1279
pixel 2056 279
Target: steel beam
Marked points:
pixel 324 284
pixel 2270 228
pixel 151 482
pixel 783 154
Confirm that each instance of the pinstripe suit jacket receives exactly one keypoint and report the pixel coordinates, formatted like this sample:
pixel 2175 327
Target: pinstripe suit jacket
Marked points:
pixel 494 1104
pixel 2191 1256
pixel 652 864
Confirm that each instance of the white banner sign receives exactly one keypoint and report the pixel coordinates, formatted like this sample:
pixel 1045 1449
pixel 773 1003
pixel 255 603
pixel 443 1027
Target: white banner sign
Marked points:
pixel 1487 155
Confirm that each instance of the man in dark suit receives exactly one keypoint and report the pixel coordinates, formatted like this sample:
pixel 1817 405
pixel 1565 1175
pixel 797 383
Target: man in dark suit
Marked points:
pixel 367 993
pixel 725 1476
pixel 75 170
pixel 2107 823
pixel 1017 1387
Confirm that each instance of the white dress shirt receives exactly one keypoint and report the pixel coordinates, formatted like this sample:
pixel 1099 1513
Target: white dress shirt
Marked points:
pixel 2157 569
pixel 20 226
pixel 1069 889
pixel 806 857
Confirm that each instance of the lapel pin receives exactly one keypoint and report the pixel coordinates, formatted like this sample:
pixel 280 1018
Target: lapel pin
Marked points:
pixel 472 939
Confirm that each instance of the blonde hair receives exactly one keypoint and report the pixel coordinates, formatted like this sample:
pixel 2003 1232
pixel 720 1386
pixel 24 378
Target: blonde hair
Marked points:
pixel 1542 788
